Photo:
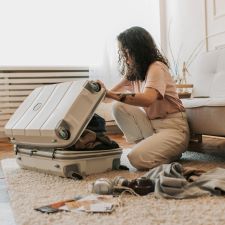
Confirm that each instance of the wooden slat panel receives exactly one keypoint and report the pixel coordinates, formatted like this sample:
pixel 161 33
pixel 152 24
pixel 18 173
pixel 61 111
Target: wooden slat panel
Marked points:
pixel 26 69
pixel 12 99
pixel 19 87
pixel 10 105
pixel 2 131
pixel 17 83
pixel 2 123
pixel 15 93
pixel 7 110
pixel 35 80
pixel 26 86
pixel 5 117
pixel 81 74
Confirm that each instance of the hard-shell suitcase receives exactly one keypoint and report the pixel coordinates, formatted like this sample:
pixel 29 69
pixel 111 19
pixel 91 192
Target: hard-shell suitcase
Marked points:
pixel 50 120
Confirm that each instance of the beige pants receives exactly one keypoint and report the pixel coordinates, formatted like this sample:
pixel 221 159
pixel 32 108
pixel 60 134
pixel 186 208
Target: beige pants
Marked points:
pixel 161 140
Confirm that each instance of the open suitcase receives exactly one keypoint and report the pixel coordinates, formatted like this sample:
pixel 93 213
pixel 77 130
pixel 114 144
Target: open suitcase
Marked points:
pixel 52 119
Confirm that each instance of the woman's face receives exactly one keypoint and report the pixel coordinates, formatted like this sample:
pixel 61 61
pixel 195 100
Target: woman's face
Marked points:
pixel 128 57
pixel 125 54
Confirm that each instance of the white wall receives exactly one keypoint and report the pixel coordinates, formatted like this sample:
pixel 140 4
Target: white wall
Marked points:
pixel 215 20
pixel 186 21
pixel 67 32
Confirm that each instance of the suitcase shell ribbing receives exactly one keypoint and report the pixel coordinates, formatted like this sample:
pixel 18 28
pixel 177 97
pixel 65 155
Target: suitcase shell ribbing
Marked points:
pixel 51 119
pixel 47 108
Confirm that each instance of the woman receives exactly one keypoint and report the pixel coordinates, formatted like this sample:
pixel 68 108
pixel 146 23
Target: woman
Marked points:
pixel 148 109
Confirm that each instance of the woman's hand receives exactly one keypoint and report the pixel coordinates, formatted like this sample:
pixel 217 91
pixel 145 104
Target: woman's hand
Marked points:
pixel 102 84
pixel 107 98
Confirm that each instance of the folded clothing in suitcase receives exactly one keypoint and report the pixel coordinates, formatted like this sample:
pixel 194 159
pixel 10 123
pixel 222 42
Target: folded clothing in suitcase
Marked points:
pixel 52 119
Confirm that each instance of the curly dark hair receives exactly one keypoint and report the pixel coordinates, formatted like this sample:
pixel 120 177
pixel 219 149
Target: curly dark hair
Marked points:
pixel 141 48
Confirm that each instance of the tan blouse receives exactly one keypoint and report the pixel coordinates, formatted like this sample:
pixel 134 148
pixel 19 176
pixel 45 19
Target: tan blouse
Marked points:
pixel 165 85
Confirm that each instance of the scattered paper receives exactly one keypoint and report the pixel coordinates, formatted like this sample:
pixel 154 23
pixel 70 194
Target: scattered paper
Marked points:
pixel 90 203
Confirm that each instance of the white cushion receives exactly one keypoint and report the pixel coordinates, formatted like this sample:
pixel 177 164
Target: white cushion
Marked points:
pixel 218 85
pixel 205 68
pixel 206 115
pixel 200 102
pixel 202 84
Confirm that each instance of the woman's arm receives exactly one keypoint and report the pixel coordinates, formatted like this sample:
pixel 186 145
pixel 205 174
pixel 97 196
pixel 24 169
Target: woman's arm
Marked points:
pixel 144 99
pixel 122 86
pixel 155 78
pixel 154 89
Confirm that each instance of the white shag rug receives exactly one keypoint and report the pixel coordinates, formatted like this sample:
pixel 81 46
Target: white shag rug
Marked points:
pixel 29 189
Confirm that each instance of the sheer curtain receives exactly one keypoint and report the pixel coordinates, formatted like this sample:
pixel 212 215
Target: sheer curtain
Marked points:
pixel 120 15
pixel 71 32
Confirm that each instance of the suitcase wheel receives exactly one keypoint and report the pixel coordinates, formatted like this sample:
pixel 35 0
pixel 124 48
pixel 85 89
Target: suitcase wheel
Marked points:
pixel 63 133
pixel 95 86
pixel 116 164
pixel 76 176
pixel 62 130
pixel 72 171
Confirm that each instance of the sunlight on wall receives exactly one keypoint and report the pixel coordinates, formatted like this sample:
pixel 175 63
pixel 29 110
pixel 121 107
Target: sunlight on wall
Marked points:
pixel 67 32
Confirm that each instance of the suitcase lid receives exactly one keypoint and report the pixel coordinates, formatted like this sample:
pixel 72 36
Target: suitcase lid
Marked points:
pixel 54 116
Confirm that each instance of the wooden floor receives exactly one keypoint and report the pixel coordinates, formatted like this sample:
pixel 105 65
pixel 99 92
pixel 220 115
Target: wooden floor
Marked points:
pixel 6 149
